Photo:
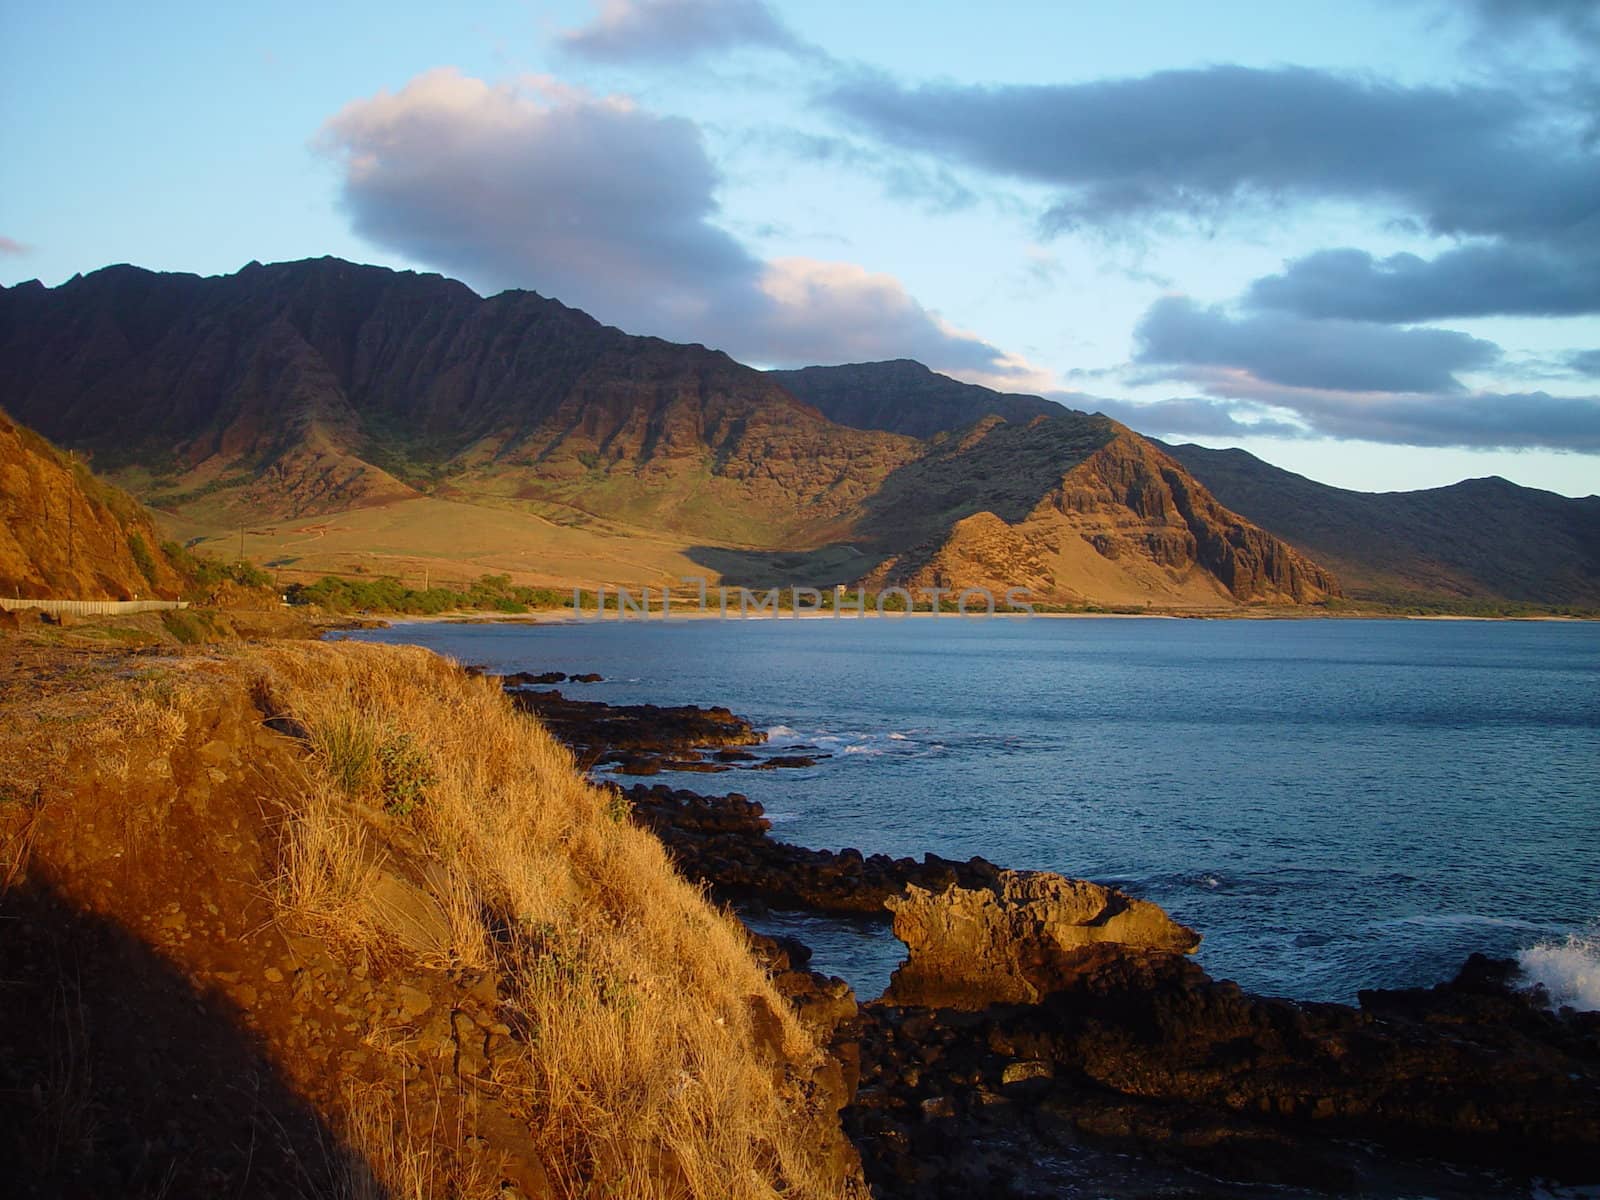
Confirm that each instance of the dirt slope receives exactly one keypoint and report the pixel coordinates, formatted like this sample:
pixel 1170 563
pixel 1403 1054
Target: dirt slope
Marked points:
pixel 66 534
pixel 335 920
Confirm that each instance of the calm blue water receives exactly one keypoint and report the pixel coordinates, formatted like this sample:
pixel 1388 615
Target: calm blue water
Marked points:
pixel 1333 804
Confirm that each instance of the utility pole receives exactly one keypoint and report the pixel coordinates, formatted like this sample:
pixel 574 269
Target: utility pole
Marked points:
pixel 241 541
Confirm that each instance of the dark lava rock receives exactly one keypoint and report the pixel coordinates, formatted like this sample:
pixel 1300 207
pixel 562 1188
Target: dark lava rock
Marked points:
pixel 525 679
pixel 780 761
pixel 1143 1053
pixel 636 734
pixel 733 853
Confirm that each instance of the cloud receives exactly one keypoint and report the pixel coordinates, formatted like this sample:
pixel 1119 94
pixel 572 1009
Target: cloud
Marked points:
pixel 1586 362
pixel 1477 420
pixel 628 31
pixel 611 208
pixel 1469 281
pixel 840 312
pixel 1201 416
pixel 1296 352
pixel 1577 19
pixel 1198 143
pixel 1344 379
pixel 10 246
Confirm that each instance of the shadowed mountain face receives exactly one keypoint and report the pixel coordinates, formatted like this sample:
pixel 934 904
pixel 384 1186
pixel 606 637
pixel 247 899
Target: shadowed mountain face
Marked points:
pixel 322 387
pixel 903 396
pixel 1479 538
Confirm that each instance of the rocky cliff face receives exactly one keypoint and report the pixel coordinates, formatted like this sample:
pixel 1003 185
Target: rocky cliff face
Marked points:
pixel 1105 517
pixel 66 534
pixel 321 386
pixel 1131 498
pixel 1014 939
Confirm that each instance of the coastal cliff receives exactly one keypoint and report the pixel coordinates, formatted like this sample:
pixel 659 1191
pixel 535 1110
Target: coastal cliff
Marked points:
pixel 337 920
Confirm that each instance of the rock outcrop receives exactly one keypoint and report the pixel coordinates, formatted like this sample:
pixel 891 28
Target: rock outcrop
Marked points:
pixel 1079 510
pixel 1015 939
pixel 1143 1055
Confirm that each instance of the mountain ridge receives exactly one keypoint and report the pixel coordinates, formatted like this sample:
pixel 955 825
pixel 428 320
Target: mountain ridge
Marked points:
pixel 1486 540
pixel 295 391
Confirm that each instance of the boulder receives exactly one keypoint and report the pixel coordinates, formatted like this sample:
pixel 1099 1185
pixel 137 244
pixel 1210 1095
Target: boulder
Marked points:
pixel 1014 939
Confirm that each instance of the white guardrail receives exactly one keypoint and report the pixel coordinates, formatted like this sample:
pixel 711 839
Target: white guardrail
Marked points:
pixel 92 608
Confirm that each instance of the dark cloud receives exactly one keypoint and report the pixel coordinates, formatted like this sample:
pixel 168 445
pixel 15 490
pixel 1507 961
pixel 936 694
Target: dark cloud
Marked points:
pixel 1344 379
pixel 610 208
pixel 1192 143
pixel 1480 420
pixel 1586 362
pixel 1577 19
pixel 903 177
pixel 677 30
pixel 1469 281
pixel 1199 416
pixel 1295 352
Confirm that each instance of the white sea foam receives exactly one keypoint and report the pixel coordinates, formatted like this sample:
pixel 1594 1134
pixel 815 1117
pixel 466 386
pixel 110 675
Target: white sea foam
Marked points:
pixel 898 737
pixel 782 731
pixel 1462 919
pixel 1569 970
pixel 870 751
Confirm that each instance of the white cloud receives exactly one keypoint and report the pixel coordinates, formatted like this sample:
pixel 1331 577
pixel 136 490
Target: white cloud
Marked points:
pixel 612 208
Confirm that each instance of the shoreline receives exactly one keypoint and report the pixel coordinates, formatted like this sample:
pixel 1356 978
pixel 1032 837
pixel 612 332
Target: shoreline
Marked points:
pixel 957 1067
pixel 610 617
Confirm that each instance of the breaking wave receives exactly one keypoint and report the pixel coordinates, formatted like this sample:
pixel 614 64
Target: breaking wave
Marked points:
pixel 1569 969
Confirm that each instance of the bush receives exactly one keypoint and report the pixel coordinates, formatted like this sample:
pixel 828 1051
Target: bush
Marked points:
pixel 494 593
pixel 142 558
pixel 204 572
pixel 405 774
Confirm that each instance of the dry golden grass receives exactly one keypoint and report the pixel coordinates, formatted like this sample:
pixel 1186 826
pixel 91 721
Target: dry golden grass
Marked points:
pixel 423 1163
pixel 642 1074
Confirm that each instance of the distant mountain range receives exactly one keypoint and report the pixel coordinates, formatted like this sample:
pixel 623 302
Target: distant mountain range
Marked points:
pixel 1481 538
pixel 384 420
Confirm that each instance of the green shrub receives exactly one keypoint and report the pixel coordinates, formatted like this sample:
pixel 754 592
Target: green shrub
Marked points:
pixel 494 593
pixel 404 772
pixel 142 558
pixel 204 572
pixel 184 626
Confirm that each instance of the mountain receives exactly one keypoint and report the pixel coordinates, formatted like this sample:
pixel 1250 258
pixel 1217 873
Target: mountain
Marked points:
pixel 903 396
pixel 67 534
pixel 387 420
pixel 1482 538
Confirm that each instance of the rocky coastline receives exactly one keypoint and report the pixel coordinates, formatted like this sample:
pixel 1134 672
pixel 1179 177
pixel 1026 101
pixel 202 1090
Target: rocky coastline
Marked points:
pixel 1048 1036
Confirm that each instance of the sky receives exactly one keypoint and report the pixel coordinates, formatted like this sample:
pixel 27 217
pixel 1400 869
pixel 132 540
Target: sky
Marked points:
pixel 1360 240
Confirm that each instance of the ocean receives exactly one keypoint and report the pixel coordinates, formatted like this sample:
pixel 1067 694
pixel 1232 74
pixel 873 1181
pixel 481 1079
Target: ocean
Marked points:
pixel 1333 804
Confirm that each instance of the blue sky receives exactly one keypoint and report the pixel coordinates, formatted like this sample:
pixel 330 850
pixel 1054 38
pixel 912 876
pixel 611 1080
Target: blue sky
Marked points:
pixel 1362 241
